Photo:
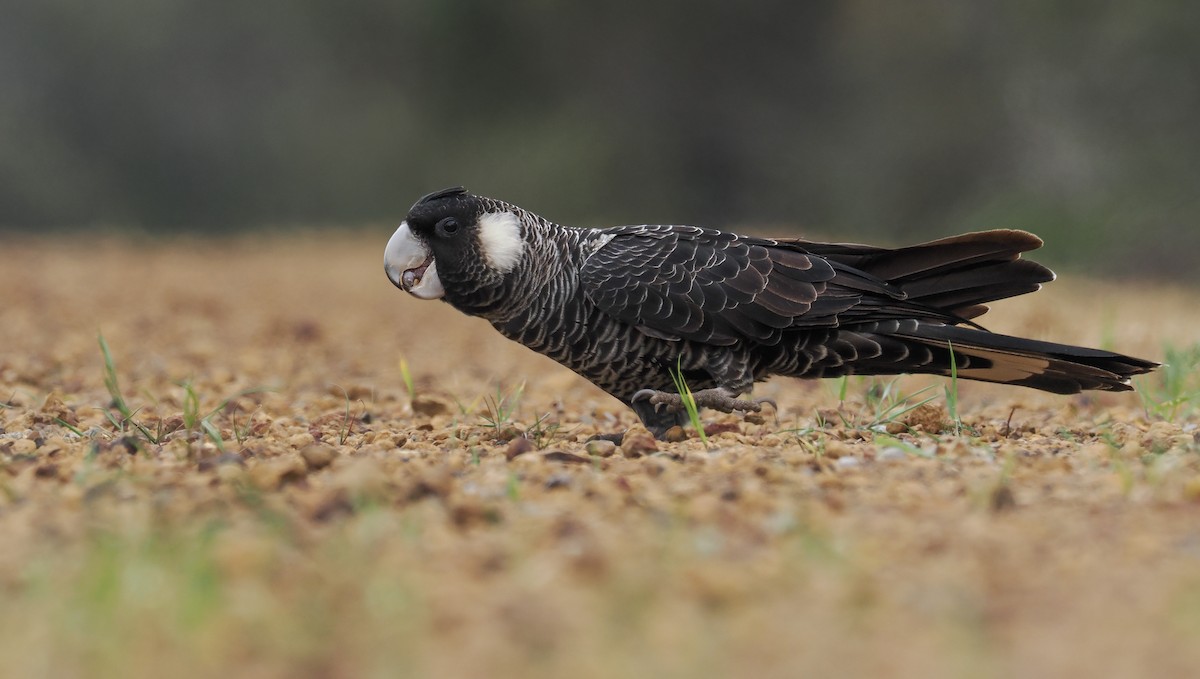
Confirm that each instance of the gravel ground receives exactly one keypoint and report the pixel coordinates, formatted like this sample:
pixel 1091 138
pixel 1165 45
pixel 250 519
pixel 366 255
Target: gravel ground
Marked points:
pixel 280 503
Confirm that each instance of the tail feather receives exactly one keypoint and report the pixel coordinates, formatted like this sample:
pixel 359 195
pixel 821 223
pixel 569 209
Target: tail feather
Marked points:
pixel 918 261
pixel 1049 366
pixel 964 291
pixel 958 275
pixel 944 284
pixel 925 348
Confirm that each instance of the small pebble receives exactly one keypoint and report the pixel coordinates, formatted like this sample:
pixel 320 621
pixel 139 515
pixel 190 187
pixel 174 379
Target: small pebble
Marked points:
pixel 23 447
pixel 271 474
pixel 638 445
pixel 558 481
pixel 559 456
pixel 721 428
pixel 230 473
pixel 675 434
pixel 1191 489
pixel 318 456
pixel 210 463
pixel 1001 498
pixel 600 448
pixel 298 441
pixel 423 404
pixel 518 446
pixel 837 450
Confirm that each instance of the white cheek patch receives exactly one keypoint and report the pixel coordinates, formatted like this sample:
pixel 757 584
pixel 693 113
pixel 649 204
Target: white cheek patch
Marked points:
pixel 500 238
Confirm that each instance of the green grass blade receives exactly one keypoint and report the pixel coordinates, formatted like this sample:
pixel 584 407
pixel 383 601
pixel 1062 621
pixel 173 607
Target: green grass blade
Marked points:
pixel 689 401
pixel 110 380
pixel 213 434
pixel 73 429
pixel 406 375
pixel 952 392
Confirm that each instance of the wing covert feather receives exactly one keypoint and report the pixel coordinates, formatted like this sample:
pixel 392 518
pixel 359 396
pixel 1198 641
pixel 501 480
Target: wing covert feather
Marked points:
pixel 710 286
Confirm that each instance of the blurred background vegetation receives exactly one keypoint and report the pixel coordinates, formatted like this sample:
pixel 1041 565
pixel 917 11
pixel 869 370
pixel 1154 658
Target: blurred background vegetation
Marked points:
pixel 857 119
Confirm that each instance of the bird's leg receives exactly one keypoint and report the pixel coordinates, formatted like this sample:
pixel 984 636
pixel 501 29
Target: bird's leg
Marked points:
pixel 717 398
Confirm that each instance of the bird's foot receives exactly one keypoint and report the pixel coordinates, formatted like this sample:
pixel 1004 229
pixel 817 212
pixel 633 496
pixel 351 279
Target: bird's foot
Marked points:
pixel 717 398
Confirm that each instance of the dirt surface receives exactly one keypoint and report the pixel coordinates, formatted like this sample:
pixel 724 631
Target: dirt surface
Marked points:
pixel 288 508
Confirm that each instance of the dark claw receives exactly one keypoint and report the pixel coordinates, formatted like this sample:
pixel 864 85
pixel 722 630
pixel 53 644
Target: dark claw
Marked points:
pixel 656 398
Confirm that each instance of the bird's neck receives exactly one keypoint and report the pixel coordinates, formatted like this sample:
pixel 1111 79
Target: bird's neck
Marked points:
pixel 546 277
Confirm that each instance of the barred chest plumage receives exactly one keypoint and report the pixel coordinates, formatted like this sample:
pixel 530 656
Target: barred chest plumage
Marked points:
pixel 547 310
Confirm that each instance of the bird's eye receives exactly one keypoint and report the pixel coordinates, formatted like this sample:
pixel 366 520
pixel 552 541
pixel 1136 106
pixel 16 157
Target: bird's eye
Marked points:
pixel 447 227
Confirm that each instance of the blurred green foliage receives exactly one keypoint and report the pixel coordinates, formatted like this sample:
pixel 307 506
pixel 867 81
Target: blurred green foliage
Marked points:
pixel 874 120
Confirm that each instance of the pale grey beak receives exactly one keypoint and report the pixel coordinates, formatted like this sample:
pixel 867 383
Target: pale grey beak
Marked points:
pixel 409 265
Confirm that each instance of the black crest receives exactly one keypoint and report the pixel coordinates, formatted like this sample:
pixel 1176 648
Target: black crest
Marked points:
pixel 438 195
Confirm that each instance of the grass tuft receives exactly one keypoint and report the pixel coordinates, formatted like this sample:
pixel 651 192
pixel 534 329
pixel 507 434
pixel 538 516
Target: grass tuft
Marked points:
pixel 543 431
pixel 1174 389
pixel 952 392
pixel 501 407
pixel 191 415
pixel 347 422
pixel 889 403
pixel 194 421
pixel 689 401
pixel 118 399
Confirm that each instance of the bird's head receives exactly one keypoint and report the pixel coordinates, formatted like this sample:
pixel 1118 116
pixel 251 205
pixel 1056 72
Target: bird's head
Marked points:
pixel 453 241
